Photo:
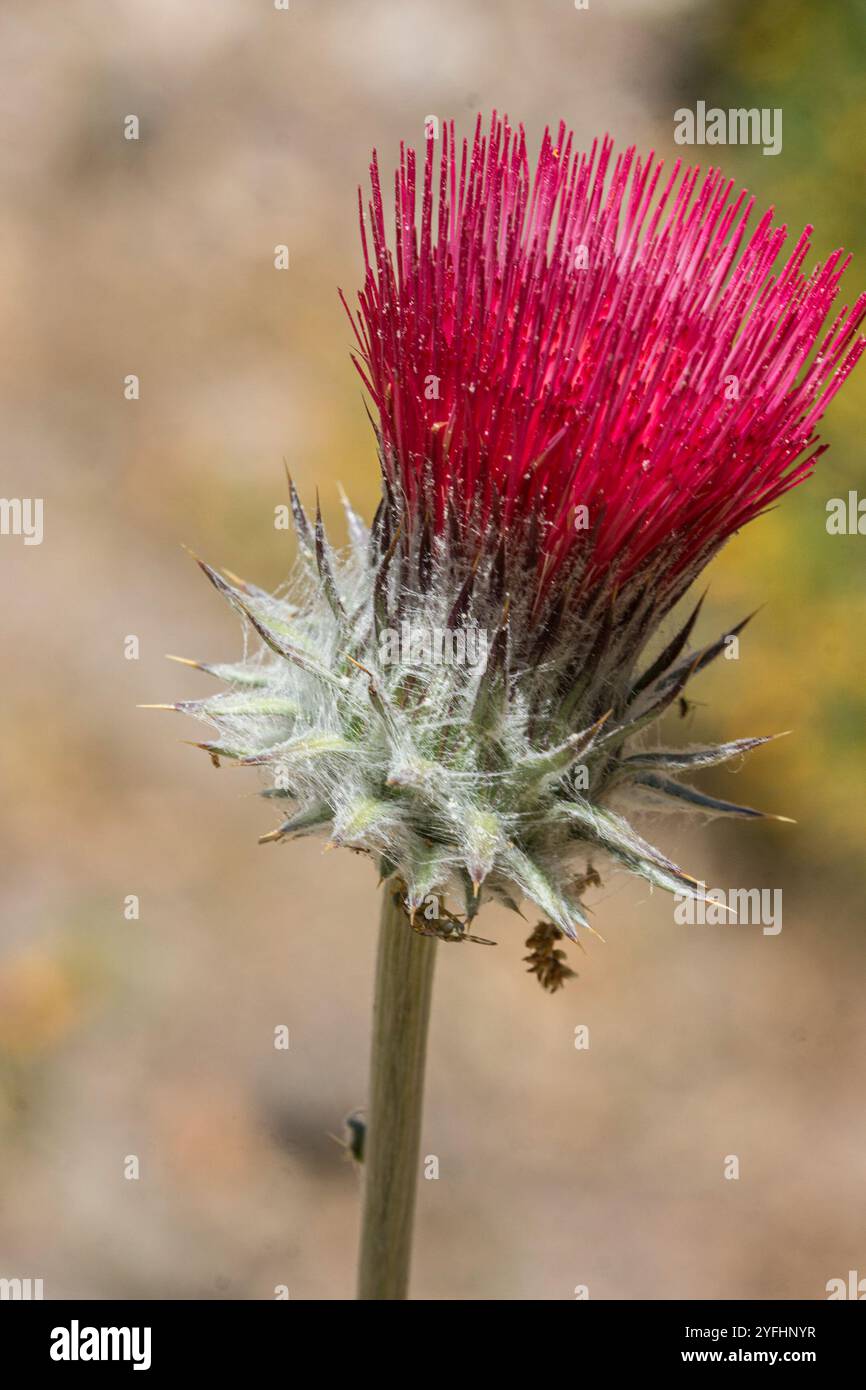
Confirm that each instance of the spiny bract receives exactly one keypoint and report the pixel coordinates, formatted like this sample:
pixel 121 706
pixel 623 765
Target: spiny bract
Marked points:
pixel 501 778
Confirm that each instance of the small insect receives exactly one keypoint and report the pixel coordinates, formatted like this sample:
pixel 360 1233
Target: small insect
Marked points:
pixel 354 1136
pixel 355 1127
pixel 449 929
pixel 452 930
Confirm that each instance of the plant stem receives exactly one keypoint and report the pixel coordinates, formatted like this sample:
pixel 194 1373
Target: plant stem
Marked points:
pixel 401 1011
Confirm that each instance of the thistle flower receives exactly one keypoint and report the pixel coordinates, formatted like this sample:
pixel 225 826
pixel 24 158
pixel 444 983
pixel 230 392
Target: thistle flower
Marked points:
pixel 586 377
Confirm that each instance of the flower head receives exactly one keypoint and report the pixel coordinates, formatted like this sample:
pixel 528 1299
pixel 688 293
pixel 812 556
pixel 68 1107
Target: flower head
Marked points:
pixel 586 377
pixel 594 344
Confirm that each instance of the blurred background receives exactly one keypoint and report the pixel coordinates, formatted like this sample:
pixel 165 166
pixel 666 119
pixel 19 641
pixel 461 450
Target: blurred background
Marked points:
pixel 153 1036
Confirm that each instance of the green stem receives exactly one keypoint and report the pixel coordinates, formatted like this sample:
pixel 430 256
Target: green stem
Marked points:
pixel 401 1012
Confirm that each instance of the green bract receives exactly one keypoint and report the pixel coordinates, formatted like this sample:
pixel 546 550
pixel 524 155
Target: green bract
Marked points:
pixel 501 777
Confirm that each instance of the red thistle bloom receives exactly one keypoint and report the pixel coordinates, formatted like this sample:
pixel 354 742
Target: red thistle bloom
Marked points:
pixel 586 379
pixel 593 335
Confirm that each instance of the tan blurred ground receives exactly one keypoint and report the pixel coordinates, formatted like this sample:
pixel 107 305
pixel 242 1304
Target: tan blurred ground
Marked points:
pixel 558 1167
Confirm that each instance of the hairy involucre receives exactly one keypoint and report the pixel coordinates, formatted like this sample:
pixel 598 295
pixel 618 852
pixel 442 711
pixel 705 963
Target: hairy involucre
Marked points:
pixel 504 778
